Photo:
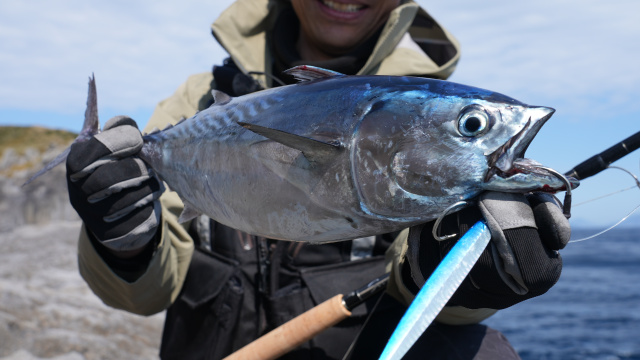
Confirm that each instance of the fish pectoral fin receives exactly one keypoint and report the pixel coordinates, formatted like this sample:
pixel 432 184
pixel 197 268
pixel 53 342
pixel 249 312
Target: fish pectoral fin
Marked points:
pixel 308 73
pixel 188 213
pixel 315 151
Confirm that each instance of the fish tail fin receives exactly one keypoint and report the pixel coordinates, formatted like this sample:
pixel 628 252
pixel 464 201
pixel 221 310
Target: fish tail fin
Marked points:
pixel 90 128
pixel 91 125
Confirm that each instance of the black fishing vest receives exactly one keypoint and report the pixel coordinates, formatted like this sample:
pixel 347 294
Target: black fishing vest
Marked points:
pixel 240 286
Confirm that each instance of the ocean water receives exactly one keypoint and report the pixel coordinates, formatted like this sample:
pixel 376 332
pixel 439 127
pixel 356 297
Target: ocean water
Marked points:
pixel 593 312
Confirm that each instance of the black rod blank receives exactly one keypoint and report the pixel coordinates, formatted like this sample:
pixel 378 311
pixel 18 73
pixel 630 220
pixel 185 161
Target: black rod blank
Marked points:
pixel 360 295
pixel 601 161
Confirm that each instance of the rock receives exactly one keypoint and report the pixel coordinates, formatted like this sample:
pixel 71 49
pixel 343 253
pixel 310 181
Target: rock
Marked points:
pixel 44 200
pixel 25 355
pixel 46 308
pixel 48 311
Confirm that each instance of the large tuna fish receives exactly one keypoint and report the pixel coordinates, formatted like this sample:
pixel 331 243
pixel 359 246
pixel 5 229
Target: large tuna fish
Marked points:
pixel 341 157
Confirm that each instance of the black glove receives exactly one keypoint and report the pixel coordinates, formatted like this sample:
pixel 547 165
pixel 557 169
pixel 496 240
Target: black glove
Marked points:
pixel 520 262
pixel 113 191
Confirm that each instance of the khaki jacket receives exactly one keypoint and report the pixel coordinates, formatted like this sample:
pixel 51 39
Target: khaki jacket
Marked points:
pixel 243 30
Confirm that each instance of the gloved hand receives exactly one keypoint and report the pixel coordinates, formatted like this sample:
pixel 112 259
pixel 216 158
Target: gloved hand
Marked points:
pixel 520 262
pixel 113 191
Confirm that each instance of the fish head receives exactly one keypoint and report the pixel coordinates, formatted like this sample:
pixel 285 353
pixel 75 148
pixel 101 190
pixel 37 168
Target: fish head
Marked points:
pixel 482 143
pixel 478 143
pixel 419 150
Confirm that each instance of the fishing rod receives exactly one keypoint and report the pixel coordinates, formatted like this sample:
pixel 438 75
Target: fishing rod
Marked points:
pixel 601 161
pixel 432 296
pixel 436 293
pixel 305 326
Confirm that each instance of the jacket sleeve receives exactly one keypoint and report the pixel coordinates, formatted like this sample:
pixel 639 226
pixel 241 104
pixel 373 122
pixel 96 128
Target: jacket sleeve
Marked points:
pixel 450 315
pixel 162 281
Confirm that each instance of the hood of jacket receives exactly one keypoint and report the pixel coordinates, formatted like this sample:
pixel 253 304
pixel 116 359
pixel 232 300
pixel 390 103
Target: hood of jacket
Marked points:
pixel 411 42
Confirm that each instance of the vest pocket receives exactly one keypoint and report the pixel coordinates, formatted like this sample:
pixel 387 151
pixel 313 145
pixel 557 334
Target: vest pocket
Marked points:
pixel 199 323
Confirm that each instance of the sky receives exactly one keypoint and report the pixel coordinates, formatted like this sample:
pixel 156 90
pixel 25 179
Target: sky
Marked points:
pixel 577 56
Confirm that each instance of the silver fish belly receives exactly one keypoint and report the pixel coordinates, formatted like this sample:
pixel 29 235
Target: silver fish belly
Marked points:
pixel 344 157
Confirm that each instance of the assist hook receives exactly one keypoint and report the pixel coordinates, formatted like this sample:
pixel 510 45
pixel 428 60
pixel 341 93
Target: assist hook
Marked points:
pixel 566 207
pixel 453 208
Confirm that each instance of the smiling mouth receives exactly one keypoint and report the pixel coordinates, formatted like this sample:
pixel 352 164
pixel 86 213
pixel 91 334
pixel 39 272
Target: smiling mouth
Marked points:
pixel 346 8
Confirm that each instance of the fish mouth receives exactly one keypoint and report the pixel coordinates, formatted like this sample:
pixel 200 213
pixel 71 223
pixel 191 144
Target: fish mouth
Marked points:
pixel 510 171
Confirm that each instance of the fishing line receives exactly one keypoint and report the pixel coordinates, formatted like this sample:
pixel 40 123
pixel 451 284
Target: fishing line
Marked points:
pixel 349 352
pixel 272 77
pixel 610 228
pixel 606 195
pixel 628 172
pixel 635 178
pixel 637 185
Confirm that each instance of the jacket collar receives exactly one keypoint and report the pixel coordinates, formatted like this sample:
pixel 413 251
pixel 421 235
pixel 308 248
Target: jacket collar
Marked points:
pixel 243 27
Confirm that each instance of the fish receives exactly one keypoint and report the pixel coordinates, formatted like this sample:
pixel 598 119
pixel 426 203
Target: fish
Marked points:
pixel 337 157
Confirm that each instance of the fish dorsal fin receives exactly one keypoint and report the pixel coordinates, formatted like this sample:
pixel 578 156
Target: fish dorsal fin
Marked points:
pixel 153 131
pixel 308 73
pixel 220 98
pixel 315 151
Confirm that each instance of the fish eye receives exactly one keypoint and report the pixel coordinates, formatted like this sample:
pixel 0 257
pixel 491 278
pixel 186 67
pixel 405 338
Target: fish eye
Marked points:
pixel 473 122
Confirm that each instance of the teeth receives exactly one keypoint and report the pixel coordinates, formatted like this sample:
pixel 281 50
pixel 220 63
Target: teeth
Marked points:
pixel 342 7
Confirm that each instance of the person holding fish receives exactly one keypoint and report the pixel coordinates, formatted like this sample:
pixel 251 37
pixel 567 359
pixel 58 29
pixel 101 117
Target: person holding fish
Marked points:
pixel 222 287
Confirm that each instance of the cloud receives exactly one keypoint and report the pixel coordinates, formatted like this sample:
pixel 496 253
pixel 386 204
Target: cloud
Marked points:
pixel 140 51
pixel 573 51
pixel 544 52
pixel 579 56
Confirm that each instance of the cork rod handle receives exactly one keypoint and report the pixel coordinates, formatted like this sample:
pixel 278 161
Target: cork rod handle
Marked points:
pixel 292 334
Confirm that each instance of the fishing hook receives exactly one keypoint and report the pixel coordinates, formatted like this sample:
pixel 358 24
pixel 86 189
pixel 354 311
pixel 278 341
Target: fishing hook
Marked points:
pixel 453 208
pixel 566 207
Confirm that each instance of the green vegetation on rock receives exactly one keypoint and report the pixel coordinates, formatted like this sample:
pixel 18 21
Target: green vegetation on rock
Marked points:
pixel 21 138
pixel 23 149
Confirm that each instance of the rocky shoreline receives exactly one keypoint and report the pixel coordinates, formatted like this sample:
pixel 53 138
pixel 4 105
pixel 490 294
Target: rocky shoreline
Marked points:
pixel 24 151
pixel 48 311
